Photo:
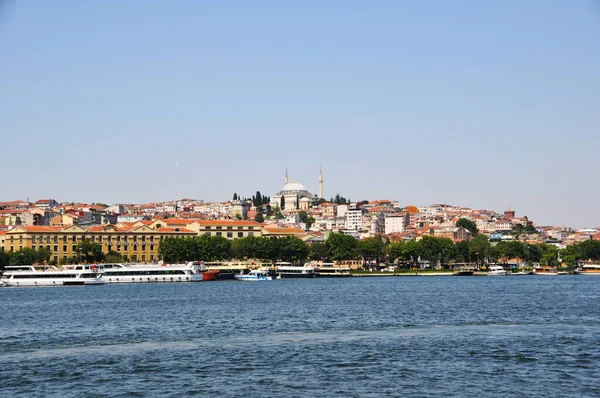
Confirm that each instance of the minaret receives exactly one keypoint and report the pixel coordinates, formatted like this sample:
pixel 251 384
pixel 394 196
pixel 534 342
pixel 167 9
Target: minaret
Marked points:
pixel 320 182
pixel 286 176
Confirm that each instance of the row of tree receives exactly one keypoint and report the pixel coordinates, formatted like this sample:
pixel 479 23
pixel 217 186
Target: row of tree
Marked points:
pixel 337 247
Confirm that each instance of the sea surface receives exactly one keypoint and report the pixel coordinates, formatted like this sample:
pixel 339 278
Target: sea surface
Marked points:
pixel 355 337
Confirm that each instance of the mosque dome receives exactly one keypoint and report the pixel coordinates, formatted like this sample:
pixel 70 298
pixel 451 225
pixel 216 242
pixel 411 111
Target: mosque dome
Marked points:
pixel 293 186
pixel 305 199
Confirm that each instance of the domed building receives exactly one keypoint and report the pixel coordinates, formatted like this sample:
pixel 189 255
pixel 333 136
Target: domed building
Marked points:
pixel 294 195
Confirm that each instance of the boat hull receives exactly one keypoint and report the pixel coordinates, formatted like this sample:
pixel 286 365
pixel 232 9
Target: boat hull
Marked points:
pixel 283 275
pixel 51 282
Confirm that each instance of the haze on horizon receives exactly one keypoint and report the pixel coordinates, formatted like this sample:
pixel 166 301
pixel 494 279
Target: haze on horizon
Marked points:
pixel 480 104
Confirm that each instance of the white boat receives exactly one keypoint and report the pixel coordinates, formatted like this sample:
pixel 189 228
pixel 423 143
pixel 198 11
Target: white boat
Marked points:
pixel 28 275
pixel 149 273
pixel 496 270
pixel 544 270
pixel 287 270
pixel 254 275
pixel 330 270
pixel 589 269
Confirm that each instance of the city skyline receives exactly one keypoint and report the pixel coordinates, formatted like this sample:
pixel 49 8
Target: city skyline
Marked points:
pixel 477 105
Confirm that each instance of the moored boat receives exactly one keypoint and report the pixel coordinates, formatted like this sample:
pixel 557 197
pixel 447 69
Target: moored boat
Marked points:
pixel 152 273
pixel 544 270
pixel 496 270
pixel 287 270
pixel 77 274
pixel 253 276
pixel 330 270
pixel 589 269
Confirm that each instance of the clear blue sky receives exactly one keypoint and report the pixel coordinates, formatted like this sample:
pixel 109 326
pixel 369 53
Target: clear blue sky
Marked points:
pixel 475 103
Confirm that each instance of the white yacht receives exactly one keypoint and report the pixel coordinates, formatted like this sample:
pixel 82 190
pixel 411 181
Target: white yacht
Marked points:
pixel 148 273
pixel 287 270
pixel 496 270
pixel 28 275
pixel 254 275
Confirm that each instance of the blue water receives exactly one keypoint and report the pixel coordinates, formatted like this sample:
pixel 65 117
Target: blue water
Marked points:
pixel 354 337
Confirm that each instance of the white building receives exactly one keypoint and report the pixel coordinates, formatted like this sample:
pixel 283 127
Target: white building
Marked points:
pixel 395 223
pixel 354 219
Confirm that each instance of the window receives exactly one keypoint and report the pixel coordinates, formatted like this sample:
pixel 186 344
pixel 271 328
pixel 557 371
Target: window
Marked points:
pixel 74 248
pixel 33 240
pixel 135 238
pixel 219 234
pixel 55 239
pixel 48 239
pixel 125 238
pixel 65 240
pixel 219 227
pixel 240 227
pixel 240 234
pixel 74 238
pixel 144 238
pixel 143 247
pixel 230 227
pixel 55 248
pixel 230 234
pixel 32 247
pixel 250 233
pixel 64 248
pixel 135 247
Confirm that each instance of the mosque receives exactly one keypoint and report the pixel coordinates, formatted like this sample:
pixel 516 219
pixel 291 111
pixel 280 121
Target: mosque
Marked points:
pixel 295 196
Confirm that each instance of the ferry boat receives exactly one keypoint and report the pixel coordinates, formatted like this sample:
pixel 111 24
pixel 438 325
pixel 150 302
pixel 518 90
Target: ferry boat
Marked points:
pixel 330 270
pixel 151 273
pixel 496 270
pixel 589 269
pixel 253 276
pixel 28 275
pixel 544 270
pixel 287 270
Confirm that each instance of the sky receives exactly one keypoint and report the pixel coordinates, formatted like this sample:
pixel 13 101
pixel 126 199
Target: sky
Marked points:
pixel 470 103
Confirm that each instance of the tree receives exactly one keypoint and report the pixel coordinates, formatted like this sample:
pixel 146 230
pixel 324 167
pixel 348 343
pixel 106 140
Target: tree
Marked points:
pixel 341 247
pixel 413 251
pixel 4 258
pixel 590 249
pixel 43 255
pixel 278 214
pixel 235 196
pixel 317 252
pixel 238 216
pixel 306 219
pixel 113 257
pixel 90 251
pixel 468 225
pixel 530 229
pixel 461 253
pixel 372 249
pixel 292 249
pixel 259 217
pixel 282 202
pixel 396 251
pixel 533 253
pixel 479 248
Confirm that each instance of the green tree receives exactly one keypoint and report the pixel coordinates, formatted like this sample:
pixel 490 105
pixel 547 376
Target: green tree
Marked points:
pixel 590 249
pixel 259 217
pixel 372 249
pixel 4 258
pixel 90 252
pixel 306 219
pixel 533 253
pixel 479 248
pixel 413 251
pixel 468 225
pixel 282 202
pixel 25 256
pixel 530 229
pixel 113 257
pixel 43 255
pixel 462 253
pixel 317 251
pixel 341 247
pixel 278 214
pixel 292 249
pixel 395 251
